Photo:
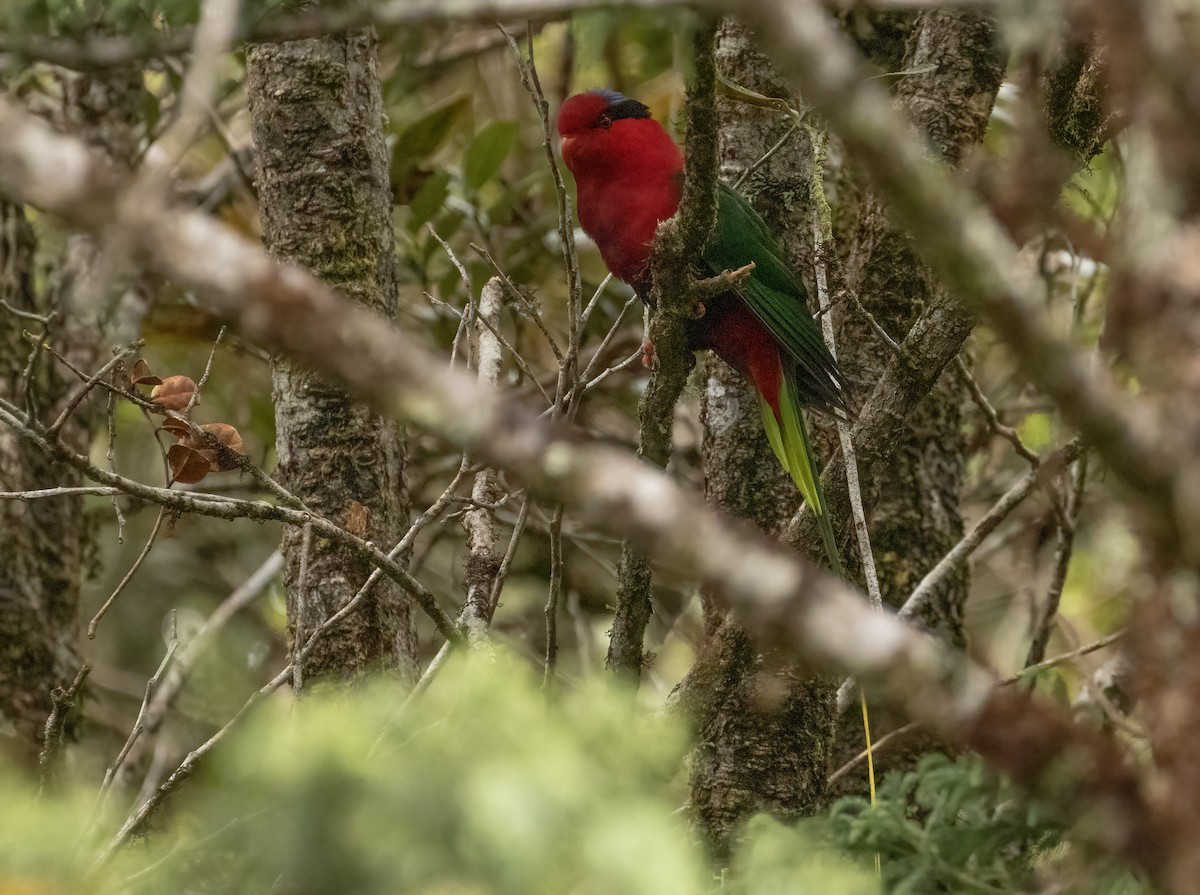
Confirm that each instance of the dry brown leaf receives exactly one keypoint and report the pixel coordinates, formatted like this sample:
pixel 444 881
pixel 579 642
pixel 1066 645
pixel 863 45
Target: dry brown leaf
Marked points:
pixel 174 392
pixel 229 438
pixel 141 375
pixel 189 464
pixel 178 428
pixel 357 517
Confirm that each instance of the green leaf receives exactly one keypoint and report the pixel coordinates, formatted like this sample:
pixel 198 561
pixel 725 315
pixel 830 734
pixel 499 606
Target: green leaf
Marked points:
pixel 417 139
pixel 487 152
pixel 420 137
pixel 428 199
pixel 1036 431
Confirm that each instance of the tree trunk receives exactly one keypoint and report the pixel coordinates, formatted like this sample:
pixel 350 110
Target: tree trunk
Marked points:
pixel 914 502
pixel 766 736
pixel 46 543
pixel 317 120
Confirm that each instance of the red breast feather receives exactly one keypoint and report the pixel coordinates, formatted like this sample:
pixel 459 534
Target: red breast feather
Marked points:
pixel 628 172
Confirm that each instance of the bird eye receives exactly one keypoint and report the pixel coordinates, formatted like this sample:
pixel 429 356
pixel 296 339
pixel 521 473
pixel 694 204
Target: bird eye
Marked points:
pixel 605 121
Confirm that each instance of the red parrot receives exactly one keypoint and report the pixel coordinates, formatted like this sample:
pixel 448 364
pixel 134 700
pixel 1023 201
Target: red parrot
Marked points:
pixel 629 175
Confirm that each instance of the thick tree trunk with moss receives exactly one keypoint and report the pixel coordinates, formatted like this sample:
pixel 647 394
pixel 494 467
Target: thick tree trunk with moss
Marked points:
pixel 317 119
pixel 45 549
pixel 42 552
pixel 767 734
pixel 914 501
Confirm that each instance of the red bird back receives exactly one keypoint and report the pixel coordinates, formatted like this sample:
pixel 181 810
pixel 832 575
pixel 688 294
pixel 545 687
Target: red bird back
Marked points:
pixel 628 172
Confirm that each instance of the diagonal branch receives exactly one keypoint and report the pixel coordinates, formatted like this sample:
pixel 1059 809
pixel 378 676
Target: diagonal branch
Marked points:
pixel 785 603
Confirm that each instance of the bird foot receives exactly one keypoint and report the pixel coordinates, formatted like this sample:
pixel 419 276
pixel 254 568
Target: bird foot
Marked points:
pixel 649 358
pixel 698 310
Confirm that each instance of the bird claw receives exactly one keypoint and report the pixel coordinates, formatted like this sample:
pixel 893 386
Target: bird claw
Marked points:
pixel 698 310
pixel 649 358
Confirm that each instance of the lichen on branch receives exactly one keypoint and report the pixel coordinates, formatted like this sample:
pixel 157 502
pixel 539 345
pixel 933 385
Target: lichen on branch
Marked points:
pixel 673 299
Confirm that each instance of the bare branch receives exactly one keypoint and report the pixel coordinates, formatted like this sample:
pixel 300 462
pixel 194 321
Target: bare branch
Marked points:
pixel 962 243
pixel 63 704
pixel 783 602
pixel 482 563
pixel 137 564
pixel 677 243
pixel 1008 433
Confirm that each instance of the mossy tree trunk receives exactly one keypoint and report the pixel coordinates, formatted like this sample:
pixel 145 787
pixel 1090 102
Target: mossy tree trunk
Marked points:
pixel 45 548
pixel 318 126
pixel 767 731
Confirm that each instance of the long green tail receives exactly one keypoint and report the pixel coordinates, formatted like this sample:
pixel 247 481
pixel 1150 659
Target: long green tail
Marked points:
pixel 789 439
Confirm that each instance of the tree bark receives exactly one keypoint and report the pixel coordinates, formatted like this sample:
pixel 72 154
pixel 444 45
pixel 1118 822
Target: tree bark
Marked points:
pixel 317 121
pixel 46 544
pixel 766 735
pixel 913 502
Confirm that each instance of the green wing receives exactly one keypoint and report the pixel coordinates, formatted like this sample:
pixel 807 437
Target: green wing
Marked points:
pixel 776 296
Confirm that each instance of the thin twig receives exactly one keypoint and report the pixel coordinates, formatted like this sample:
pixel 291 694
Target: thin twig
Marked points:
pixel 521 300
pixel 608 337
pixel 85 490
pixel 509 554
pixel 110 455
pixel 467 318
pixel 1008 433
pixel 195 396
pixel 874 751
pixel 554 596
pixel 300 593
pixel 43 319
pixel 591 305
pixel 629 361
pixel 991 520
pixel 84 390
pixel 1031 670
pixel 190 651
pixel 1064 549
pixel 762 160
pixel 138 724
pixel 62 704
pixel 822 232
pixel 566 216
pixel 137 564
pixel 520 360
pixel 985 526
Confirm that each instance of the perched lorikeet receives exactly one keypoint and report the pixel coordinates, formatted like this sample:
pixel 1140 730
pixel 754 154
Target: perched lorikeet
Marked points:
pixel 629 174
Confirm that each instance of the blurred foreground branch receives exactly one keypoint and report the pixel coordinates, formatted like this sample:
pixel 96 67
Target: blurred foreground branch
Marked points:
pixel 785 603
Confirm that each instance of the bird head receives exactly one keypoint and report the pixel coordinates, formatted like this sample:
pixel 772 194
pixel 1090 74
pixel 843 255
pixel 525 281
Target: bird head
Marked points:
pixel 585 116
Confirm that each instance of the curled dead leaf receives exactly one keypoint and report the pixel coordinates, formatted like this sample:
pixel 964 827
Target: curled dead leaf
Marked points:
pixel 230 439
pixel 228 436
pixel 178 428
pixel 141 375
pixel 189 464
pixel 174 392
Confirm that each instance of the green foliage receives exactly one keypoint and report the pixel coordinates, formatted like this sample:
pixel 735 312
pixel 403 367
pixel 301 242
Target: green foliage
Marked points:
pixel 39 837
pixel 420 137
pixel 777 859
pixel 481 786
pixel 957 826
pixel 478 786
pixel 947 826
pixel 487 152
